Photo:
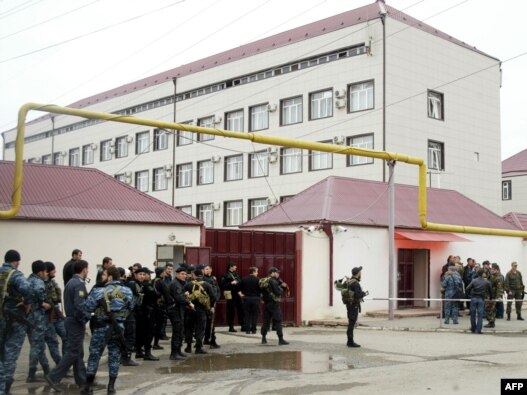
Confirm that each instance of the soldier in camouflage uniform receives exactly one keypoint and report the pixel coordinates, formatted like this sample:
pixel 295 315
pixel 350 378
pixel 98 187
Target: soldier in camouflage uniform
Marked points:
pixel 54 317
pixel 496 282
pixel 451 283
pixel 37 317
pixel 13 288
pixel 515 288
pixel 111 305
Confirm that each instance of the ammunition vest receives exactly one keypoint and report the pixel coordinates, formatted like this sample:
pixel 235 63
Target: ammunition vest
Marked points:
pixel 105 308
pixel 199 294
pixel 346 293
pixel 265 285
pixel 5 276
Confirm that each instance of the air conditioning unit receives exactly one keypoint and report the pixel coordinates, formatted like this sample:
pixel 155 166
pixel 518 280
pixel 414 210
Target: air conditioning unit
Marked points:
pixel 128 174
pixel 272 150
pixel 168 167
pixel 217 119
pixel 129 138
pixel 63 153
pixel 93 146
pixel 215 158
pixel 338 139
pixel 341 103
pixel 168 173
pixel 272 158
pixel 112 143
pixel 216 206
pixel 271 201
pixel 340 93
pixel 272 107
pixel 112 150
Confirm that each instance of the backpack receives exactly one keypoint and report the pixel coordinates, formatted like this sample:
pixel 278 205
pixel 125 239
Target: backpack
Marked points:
pixel 199 295
pixel 342 285
pixel 265 286
pixel 5 276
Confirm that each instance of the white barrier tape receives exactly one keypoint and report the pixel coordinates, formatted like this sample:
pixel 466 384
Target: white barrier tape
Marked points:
pixel 446 300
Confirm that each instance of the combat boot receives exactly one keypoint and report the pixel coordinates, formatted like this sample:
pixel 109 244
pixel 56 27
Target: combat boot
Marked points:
pixel 490 325
pixel 214 345
pixel 45 369
pixel 111 385
pixel 127 360
pixel 188 349
pixel 508 316
pixel 139 354
pixel 181 354
pixel 264 340
pixel 149 356
pixel 88 387
pixel 520 317
pixel 282 342
pixel 353 344
pixel 32 378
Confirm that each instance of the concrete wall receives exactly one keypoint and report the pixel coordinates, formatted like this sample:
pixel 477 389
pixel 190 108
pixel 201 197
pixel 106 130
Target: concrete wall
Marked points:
pixel 124 243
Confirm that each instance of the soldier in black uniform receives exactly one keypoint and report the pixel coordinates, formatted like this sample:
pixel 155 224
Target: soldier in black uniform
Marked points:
pixel 176 313
pixel 230 286
pixel 272 294
pixel 210 332
pixel 130 324
pixel 250 294
pixel 353 306
pixel 201 295
pixel 145 317
pixel 163 301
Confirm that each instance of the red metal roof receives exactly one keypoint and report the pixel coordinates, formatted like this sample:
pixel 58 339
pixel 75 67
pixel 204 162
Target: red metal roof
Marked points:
pixel 305 32
pixel 517 219
pixel 362 202
pixel 515 165
pixel 64 193
pixel 423 235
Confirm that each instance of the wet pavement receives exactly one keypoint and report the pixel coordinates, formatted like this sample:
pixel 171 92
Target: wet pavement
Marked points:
pixel 411 355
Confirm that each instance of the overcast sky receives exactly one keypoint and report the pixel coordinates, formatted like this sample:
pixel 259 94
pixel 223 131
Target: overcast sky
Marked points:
pixel 60 51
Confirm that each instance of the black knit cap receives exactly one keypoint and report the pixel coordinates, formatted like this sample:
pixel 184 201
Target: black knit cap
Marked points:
pixel 12 256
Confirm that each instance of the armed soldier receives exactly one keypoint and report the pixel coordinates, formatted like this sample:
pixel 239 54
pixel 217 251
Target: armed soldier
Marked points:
pixel 13 289
pixel 515 289
pixel 354 300
pixel 160 309
pixel 145 317
pixel 176 313
pixel 54 317
pixel 272 290
pixel 496 282
pixel 37 317
pixel 230 283
pixel 111 305
pixel 210 331
pixel 130 324
pixel 201 295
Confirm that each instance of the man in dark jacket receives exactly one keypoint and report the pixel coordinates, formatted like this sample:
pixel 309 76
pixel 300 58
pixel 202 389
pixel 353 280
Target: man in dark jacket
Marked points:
pixel 145 316
pixel 210 332
pixel 176 312
pixel 272 290
pixel 353 306
pixel 478 289
pixel 68 270
pixel 230 284
pixel 201 295
pixel 250 294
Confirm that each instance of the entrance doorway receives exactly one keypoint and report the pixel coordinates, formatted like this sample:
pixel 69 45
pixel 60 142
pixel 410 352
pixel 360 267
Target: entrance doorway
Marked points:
pixel 170 253
pixel 413 277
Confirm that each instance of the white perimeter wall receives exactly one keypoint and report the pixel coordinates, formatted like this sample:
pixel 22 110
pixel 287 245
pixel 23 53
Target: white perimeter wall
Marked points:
pixel 125 244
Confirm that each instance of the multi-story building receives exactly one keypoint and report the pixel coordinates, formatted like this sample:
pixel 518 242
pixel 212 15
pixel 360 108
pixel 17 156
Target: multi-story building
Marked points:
pixel 514 184
pixel 373 77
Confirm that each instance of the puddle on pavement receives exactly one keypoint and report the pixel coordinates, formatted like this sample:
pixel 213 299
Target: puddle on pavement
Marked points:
pixel 300 361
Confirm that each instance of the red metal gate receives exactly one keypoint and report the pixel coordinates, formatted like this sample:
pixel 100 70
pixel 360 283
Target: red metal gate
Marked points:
pixel 254 248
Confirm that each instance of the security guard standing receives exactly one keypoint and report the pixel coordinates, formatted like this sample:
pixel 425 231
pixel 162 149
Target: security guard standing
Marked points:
pixel 496 282
pixel 110 304
pixel 201 295
pixel 272 290
pixel 176 313
pixel 145 316
pixel 353 306
pixel 13 289
pixel 210 332
pixel 515 289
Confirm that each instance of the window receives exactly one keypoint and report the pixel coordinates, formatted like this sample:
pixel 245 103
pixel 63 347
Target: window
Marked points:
pixel 206 123
pixel 362 141
pixel 291 111
pixel 259 118
pixel 46 159
pixel 122 147
pixel 87 154
pixel 234 121
pixel 160 140
pixel 435 105
pixel 320 160
pixel 205 172
pixel 506 190
pixel 75 157
pixel 185 209
pixel 106 150
pixel 361 96
pixel 259 164
pixel 291 160
pixel 233 168
pixel 58 158
pixel 206 214
pixel 233 213
pixel 436 155
pixel 141 180
pixel 160 179
pixel 257 207
pixel 321 104
pixel 184 137
pixel 142 142
pixel 184 175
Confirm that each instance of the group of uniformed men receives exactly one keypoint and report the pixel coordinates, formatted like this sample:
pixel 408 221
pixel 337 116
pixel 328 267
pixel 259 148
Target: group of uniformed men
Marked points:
pixel 126 314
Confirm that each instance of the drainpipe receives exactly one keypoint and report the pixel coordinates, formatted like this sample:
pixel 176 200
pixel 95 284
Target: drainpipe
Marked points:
pixel 327 230
pixel 392 266
pixel 52 138
pixel 383 13
pixel 174 138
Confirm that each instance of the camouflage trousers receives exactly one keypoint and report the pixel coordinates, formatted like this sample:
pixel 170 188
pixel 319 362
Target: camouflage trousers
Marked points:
pixel 55 327
pixel 37 352
pixel 518 295
pixel 490 311
pixel 13 344
pixel 2 342
pixel 451 311
pixel 97 345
